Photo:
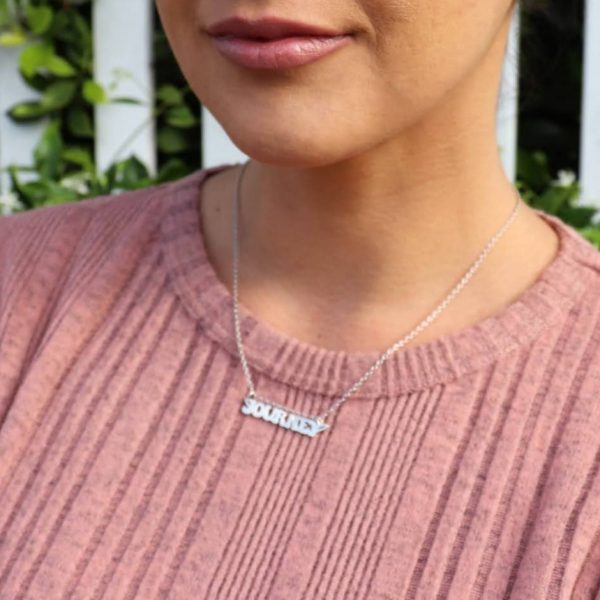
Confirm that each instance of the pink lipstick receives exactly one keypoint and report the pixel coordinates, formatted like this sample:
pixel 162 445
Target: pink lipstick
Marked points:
pixel 273 43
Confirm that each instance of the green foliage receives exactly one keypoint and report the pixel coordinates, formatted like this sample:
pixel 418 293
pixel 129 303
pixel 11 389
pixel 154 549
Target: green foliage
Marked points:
pixel 560 196
pixel 67 173
pixel 56 60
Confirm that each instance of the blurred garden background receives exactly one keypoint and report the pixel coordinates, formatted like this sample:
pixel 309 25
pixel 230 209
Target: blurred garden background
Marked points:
pixel 48 47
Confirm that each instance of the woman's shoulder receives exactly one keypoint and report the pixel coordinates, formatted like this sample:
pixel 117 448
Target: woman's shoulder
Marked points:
pixel 575 270
pixel 71 220
pixel 49 235
pixel 90 220
pixel 48 254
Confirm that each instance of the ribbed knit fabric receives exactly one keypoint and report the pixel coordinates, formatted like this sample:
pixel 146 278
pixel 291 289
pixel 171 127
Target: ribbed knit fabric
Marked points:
pixel 465 468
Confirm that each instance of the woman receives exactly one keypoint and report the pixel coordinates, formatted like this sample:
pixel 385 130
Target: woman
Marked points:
pixel 184 420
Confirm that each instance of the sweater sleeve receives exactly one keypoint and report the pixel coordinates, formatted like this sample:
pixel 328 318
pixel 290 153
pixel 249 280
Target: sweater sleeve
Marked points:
pixel 62 266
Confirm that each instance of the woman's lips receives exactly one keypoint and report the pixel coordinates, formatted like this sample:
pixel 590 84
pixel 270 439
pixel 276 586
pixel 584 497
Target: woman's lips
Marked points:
pixel 282 53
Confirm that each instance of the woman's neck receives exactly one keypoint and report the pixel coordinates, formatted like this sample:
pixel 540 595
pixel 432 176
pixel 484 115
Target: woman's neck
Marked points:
pixel 365 250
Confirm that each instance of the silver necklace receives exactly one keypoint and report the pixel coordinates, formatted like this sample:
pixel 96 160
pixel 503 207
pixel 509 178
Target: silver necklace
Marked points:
pixel 274 413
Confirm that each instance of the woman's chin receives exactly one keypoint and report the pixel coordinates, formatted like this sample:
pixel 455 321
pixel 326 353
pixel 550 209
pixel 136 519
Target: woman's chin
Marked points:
pixel 286 150
pixel 291 143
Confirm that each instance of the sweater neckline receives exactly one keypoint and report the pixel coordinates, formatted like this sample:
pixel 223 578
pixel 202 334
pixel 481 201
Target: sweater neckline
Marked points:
pixel 308 367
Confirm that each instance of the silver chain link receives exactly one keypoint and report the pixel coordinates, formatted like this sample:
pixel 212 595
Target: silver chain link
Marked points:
pixel 386 355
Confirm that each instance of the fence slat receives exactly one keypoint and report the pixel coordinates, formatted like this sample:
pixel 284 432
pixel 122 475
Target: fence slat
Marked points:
pixel 507 113
pixel 217 147
pixel 590 116
pixel 123 56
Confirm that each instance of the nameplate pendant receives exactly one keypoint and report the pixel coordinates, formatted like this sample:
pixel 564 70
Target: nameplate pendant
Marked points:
pixel 260 409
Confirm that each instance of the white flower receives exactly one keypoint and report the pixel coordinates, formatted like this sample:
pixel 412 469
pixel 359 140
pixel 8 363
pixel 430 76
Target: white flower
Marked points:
pixel 9 202
pixel 76 183
pixel 566 178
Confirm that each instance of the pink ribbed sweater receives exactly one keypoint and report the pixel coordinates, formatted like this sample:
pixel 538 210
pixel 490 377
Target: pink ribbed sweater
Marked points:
pixel 465 468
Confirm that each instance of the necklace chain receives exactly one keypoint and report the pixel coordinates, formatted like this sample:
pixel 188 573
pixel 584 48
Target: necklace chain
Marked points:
pixel 386 355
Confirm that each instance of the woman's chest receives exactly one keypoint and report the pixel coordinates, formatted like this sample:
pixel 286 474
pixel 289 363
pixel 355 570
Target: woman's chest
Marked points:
pixel 130 471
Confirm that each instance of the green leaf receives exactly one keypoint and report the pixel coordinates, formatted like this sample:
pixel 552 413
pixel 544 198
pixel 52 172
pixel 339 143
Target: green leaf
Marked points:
pixel 59 94
pixel 93 92
pixel 577 216
pixel 133 173
pixel 592 234
pixel 532 167
pixel 170 95
pixel 41 58
pixel 36 192
pixel 552 199
pixel 28 111
pixel 14 37
pixel 58 194
pixel 60 67
pixel 171 140
pixel 127 174
pixel 72 31
pixel 79 156
pixel 80 122
pixel 181 117
pixel 33 57
pixel 44 193
pixel 39 18
pixel 173 169
pixel 48 150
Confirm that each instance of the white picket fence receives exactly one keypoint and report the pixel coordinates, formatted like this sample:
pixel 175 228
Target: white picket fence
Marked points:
pixel 123 129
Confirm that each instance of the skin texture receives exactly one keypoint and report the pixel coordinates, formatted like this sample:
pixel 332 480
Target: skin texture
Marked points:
pixel 375 179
